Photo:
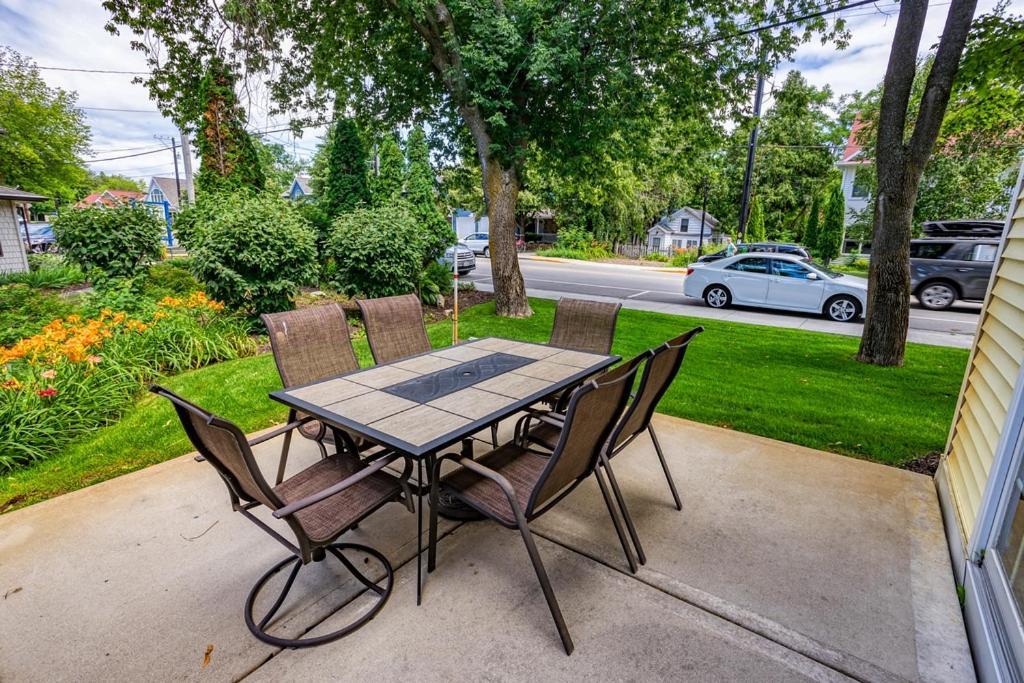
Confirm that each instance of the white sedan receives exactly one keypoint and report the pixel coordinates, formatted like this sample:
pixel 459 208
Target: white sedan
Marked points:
pixel 777 281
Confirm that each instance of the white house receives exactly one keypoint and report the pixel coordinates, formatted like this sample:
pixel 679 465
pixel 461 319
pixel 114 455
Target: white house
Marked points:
pixel 12 246
pixel 681 230
pixel 164 189
pixel 857 194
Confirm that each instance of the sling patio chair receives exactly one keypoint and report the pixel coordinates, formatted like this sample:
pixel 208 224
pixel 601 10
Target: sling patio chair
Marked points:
pixel 319 504
pixel 311 344
pixel 662 366
pixel 513 485
pixel 582 326
pixel 395 329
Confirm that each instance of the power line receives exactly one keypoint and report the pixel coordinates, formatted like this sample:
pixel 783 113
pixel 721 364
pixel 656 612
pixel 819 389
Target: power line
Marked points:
pixel 127 156
pixel 94 71
pixel 130 111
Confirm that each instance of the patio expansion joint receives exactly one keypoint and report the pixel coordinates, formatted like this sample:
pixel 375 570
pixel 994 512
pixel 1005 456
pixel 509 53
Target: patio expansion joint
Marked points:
pixel 840 662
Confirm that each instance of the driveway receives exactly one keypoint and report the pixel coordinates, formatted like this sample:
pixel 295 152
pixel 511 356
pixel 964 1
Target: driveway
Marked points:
pixel 654 289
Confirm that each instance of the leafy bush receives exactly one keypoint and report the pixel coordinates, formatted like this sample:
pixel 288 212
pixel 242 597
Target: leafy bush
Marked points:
pixel 576 243
pixel 78 373
pixel 574 238
pixel 655 256
pixel 24 311
pixel 116 242
pixel 169 278
pixel 48 271
pixel 436 282
pixel 683 257
pixel 252 252
pixel 377 252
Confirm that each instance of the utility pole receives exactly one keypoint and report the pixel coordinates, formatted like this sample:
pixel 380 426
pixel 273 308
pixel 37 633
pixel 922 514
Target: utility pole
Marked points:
pixel 186 160
pixel 177 178
pixel 751 149
pixel 703 212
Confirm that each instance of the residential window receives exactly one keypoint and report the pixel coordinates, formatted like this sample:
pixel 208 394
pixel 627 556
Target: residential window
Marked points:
pixel 684 225
pixel 157 195
pixel 750 265
pixel 656 243
pixel 860 188
pixel 678 244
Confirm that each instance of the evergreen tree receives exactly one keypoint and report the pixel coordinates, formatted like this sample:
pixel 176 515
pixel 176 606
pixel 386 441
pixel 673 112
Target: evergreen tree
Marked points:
pixel 755 222
pixel 830 240
pixel 422 197
pixel 813 227
pixel 228 158
pixel 345 185
pixel 386 185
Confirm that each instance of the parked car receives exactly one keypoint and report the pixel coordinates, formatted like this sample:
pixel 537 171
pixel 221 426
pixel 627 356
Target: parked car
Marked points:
pixel 762 247
pixel 467 260
pixel 480 242
pixel 944 270
pixel 783 281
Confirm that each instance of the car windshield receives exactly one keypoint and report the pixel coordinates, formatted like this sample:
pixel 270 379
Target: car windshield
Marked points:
pixel 822 269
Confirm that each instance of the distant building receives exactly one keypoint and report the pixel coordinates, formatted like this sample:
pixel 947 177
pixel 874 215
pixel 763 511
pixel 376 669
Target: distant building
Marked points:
pixel 533 226
pixel 681 230
pixel 107 199
pixel 856 192
pixel 13 211
pixel 300 189
pixel 164 189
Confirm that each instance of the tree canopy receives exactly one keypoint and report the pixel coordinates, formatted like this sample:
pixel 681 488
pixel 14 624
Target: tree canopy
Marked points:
pixel 386 184
pixel 344 183
pixel 228 158
pixel 45 133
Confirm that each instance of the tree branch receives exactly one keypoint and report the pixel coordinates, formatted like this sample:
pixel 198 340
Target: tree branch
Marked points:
pixel 899 80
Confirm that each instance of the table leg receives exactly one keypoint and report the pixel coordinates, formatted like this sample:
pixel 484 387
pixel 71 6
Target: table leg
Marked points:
pixel 419 532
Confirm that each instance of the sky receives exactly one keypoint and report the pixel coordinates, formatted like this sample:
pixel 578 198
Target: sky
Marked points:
pixel 70 34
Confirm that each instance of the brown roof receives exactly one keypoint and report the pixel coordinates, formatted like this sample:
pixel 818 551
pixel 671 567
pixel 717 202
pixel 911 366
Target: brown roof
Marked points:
pixel 110 198
pixel 20 195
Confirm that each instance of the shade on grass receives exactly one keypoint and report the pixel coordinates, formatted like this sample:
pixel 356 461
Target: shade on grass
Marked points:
pixel 792 385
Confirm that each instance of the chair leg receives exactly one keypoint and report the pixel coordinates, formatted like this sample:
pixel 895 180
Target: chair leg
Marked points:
pixel 285 448
pixel 432 542
pixel 616 522
pixel 664 466
pixel 545 585
pixel 621 500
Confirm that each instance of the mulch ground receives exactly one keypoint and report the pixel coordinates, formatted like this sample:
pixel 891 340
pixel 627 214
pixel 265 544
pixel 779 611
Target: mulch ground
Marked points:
pixel 926 464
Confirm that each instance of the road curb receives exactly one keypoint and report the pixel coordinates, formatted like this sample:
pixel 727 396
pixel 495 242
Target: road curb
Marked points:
pixel 650 269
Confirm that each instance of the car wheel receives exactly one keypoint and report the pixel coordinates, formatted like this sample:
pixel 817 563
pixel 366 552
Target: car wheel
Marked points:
pixel 937 296
pixel 717 296
pixel 487 252
pixel 842 309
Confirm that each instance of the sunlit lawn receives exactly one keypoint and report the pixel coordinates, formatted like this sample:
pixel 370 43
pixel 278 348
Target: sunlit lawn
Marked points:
pixel 792 385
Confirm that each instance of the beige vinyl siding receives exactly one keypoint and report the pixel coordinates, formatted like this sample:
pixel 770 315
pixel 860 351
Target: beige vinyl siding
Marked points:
pixel 993 370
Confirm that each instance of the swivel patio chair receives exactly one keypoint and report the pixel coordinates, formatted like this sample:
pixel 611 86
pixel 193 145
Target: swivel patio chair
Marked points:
pixel 394 327
pixel 319 504
pixel 311 344
pixel 513 485
pixel 662 366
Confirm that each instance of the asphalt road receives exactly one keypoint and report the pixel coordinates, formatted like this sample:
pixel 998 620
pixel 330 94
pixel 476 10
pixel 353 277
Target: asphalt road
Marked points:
pixel 650 289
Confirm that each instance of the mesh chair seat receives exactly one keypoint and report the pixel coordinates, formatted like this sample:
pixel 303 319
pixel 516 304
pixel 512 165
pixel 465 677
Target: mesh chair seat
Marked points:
pixel 521 467
pixel 324 520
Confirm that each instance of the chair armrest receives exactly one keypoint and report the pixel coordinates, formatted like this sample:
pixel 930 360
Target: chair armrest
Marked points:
pixel 487 472
pixel 280 430
pixel 303 503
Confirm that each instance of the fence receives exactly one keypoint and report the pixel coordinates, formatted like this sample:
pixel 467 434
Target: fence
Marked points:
pixel 644 249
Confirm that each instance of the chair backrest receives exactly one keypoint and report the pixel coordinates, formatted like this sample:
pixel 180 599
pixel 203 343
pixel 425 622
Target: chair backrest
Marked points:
pixel 394 327
pixel 310 344
pixel 593 411
pixel 224 446
pixel 662 367
pixel 584 325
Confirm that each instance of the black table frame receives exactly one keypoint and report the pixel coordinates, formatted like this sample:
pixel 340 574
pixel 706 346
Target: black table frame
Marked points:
pixel 428 451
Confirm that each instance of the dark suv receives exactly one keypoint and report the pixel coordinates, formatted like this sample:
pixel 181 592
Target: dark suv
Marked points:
pixel 944 270
pixel 766 247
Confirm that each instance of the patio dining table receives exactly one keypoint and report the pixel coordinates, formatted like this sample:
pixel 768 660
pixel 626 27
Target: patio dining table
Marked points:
pixel 424 403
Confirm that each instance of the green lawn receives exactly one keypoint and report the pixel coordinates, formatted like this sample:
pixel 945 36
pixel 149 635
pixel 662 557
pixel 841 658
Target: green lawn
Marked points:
pixel 802 387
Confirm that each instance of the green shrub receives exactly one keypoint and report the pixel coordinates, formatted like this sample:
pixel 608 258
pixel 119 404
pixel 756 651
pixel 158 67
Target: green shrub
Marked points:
pixel 436 282
pixel 116 242
pixel 574 239
pixel 24 310
pixel 377 252
pixel 49 271
pixel 655 256
pixel 683 257
pixel 169 278
pixel 251 252
pixel 576 243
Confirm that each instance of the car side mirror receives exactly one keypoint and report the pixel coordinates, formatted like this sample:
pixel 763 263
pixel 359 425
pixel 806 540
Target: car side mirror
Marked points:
pixel 812 276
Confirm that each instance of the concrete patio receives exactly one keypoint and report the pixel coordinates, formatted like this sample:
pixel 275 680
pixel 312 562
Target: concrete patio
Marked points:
pixel 785 564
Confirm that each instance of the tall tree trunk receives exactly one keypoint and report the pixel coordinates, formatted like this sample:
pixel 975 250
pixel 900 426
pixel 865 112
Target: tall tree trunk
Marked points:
pixel 502 189
pixel 900 165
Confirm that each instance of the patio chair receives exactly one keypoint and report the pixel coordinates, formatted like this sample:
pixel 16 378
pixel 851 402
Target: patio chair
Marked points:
pixel 311 344
pixel 513 485
pixel 662 366
pixel 319 504
pixel 582 326
pixel 394 327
